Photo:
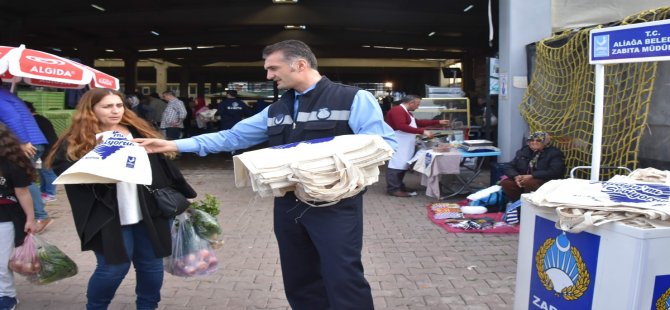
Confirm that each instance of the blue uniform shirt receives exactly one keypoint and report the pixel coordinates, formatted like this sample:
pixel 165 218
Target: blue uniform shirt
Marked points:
pixel 366 118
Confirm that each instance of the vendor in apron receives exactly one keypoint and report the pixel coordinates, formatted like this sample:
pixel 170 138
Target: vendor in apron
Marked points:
pixel 406 128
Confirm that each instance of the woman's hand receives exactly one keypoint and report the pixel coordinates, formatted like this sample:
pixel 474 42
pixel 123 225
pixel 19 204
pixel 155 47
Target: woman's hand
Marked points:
pixel 29 149
pixel 156 145
pixel 31 226
pixel 444 122
pixel 521 179
pixel 26 202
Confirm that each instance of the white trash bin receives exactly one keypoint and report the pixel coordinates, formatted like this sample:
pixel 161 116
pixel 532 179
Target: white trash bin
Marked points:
pixel 614 266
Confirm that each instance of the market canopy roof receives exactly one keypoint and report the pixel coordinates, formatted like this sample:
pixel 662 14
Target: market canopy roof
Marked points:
pixel 202 32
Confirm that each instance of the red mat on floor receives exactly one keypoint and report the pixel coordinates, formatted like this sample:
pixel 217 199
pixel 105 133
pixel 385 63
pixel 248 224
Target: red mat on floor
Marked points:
pixel 502 229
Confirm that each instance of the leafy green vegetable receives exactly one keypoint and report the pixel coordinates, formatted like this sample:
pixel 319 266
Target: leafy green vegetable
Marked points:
pixel 205 225
pixel 55 265
pixel 209 204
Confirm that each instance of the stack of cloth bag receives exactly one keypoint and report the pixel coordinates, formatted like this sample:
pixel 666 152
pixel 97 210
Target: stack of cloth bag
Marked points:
pixel 640 199
pixel 321 172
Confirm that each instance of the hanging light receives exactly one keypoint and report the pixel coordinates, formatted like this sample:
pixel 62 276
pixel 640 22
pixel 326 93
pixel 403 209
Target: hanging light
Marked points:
pixel 97 7
pixel 295 27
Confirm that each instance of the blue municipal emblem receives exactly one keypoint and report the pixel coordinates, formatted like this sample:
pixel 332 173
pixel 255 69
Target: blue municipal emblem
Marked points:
pixel 561 268
pixel 663 302
pixel 279 119
pixel 323 113
pixel 661 294
pixel 130 162
pixel 601 46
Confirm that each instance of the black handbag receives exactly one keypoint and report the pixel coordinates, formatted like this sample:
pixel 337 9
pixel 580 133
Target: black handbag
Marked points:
pixel 172 200
pixel 169 201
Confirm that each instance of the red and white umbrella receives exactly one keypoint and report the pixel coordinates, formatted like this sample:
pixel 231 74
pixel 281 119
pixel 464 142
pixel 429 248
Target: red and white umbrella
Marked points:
pixel 43 69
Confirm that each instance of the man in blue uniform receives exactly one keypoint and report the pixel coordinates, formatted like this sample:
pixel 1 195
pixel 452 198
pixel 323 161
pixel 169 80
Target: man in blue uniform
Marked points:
pixel 320 251
pixel 232 110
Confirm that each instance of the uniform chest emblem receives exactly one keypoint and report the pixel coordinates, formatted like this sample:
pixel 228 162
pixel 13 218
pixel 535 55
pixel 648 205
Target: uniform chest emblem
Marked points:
pixel 323 113
pixel 279 119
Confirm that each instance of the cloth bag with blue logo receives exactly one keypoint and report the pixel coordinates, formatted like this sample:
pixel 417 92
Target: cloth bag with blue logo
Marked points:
pixel 581 204
pixel 115 159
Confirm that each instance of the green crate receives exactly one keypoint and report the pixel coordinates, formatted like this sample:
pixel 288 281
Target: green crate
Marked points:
pixel 44 101
pixel 61 119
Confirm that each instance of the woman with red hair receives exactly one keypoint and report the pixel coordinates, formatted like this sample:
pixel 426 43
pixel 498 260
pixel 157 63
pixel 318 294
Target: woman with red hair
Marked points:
pixel 119 222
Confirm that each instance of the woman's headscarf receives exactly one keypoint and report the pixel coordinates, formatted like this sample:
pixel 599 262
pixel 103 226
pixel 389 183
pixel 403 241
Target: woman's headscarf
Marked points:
pixel 199 103
pixel 540 136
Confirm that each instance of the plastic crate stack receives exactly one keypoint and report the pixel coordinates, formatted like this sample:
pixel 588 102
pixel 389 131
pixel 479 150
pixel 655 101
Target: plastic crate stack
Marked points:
pixel 44 101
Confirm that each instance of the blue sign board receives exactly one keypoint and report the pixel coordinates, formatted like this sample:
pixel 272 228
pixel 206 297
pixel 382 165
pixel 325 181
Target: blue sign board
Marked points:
pixel 630 43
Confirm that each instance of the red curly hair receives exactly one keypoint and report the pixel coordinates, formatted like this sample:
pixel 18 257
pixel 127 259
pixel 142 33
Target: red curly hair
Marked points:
pixel 10 150
pixel 80 137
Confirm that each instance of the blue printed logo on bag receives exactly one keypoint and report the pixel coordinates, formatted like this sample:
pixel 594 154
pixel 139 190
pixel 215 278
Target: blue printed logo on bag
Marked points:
pixel 130 162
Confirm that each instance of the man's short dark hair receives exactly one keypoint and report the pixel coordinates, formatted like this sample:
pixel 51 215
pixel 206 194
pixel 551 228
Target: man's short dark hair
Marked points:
pixel 293 50
pixel 232 92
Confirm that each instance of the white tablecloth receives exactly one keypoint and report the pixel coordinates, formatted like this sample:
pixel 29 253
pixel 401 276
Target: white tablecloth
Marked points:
pixel 433 164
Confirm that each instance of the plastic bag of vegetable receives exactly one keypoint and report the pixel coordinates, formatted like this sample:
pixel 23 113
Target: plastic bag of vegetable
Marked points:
pixel 24 260
pixel 55 264
pixel 207 227
pixel 191 254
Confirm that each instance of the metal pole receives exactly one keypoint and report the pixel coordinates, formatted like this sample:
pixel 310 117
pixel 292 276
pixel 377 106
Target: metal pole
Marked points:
pixel 598 121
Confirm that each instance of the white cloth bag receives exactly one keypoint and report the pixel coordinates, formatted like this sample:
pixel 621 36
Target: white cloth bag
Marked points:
pixel 582 203
pixel 320 172
pixel 114 160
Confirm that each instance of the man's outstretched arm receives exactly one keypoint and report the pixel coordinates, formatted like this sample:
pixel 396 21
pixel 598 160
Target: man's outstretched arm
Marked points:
pixel 157 145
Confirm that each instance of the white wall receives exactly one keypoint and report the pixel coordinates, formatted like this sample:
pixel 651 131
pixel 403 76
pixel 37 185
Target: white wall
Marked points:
pixel 521 22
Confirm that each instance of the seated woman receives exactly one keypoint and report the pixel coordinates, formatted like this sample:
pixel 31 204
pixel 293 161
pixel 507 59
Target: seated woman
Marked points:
pixel 533 165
